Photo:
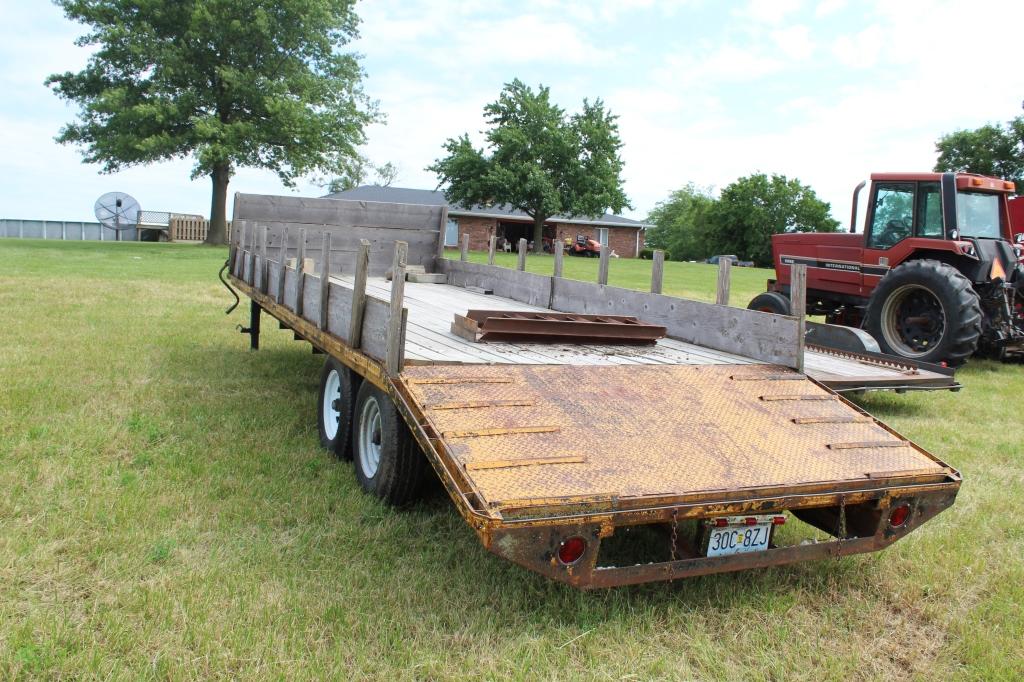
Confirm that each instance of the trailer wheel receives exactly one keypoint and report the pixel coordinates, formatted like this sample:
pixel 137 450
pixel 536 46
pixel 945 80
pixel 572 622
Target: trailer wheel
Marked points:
pixel 771 302
pixel 387 460
pixel 334 409
pixel 925 310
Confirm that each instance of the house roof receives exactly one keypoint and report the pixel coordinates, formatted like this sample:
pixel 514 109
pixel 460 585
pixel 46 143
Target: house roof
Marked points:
pixel 430 197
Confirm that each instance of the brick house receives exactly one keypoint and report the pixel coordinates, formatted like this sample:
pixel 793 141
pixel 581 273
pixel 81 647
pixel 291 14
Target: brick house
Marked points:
pixel 623 235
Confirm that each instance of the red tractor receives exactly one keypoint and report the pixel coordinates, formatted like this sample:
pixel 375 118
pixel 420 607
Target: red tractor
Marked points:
pixel 936 275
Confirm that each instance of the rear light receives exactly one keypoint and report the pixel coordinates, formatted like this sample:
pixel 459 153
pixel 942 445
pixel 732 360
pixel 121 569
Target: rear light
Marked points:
pixel 899 515
pixel 750 521
pixel 778 520
pixel 571 550
pixel 721 523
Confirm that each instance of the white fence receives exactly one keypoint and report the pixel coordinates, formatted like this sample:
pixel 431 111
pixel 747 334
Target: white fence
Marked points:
pixel 68 230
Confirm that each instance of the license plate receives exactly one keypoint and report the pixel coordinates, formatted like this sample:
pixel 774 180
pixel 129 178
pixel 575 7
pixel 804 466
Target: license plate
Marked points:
pixel 740 539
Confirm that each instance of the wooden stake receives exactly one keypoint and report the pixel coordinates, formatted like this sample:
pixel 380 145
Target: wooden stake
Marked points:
pixel 492 242
pixel 284 266
pixel 798 298
pixel 325 278
pixel 559 255
pixel 442 232
pixel 264 269
pixel 724 280
pixel 464 253
pixel 300 271
pixel 602 267
pixel 521 265
pixel 657 271
pixel 393 363
pixel 355 325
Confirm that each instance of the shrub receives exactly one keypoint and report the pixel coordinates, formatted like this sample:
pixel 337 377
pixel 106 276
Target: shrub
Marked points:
pixel 648 254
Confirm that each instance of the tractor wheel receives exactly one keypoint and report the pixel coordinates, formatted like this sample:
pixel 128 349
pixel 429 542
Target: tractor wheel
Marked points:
pixel 387 459
pixel 771 302
pixel 925 310
pixel 334 413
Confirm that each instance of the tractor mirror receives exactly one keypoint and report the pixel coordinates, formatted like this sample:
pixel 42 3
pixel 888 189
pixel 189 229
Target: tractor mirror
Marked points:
pixel 1019 238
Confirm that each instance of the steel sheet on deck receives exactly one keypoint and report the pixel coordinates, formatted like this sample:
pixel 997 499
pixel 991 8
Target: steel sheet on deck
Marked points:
pixel 532 434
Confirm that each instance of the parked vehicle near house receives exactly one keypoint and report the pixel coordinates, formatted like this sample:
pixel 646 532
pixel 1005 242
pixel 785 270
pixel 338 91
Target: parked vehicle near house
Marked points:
pixel 596 435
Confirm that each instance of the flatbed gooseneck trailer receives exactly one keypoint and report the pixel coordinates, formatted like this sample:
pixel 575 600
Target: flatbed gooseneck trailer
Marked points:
pixel 597 435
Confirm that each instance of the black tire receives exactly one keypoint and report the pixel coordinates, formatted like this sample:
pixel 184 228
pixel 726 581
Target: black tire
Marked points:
pixel 771 302
pixel 343 386
pixel 925 310
pixel 401 467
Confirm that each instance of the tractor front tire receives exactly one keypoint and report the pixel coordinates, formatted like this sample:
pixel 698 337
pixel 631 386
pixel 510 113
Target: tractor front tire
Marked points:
pixel 771 302
pixel 925 310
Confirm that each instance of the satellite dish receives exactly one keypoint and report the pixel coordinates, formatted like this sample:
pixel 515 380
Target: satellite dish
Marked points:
pixel 117 210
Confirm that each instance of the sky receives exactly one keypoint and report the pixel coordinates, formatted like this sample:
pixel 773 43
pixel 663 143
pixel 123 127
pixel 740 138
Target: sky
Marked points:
pixel 826 91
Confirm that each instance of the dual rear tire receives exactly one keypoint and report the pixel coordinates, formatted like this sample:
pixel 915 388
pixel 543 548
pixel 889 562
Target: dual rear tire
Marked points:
pixel 358 421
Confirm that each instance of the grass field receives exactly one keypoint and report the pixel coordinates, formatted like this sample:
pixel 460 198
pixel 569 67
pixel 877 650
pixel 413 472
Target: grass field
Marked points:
pixel 167 514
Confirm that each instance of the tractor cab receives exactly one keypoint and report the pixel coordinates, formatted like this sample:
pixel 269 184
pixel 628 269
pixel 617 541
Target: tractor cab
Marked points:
pixel 935 272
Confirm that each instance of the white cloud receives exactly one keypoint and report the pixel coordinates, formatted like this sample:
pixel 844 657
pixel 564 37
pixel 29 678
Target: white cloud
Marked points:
pixel 769 11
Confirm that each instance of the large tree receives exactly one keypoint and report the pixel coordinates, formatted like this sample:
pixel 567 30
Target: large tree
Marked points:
pixel 752 209
pixel 992 149
pixel 680 223
pixel 231 83
pixel 538 160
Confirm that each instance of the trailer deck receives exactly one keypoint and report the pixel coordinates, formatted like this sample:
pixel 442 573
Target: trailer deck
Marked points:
pixel 541 436
pixel 541 445
pixel 429 340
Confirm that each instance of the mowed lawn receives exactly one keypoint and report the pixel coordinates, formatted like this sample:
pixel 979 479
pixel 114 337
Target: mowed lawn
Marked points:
pixel 166 512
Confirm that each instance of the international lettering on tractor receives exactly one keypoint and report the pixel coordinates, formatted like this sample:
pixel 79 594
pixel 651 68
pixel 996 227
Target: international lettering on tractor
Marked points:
pixel 935 275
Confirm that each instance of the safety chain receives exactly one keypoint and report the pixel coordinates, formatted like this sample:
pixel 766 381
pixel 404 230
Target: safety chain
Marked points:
pixel 675 533
pixel 842 518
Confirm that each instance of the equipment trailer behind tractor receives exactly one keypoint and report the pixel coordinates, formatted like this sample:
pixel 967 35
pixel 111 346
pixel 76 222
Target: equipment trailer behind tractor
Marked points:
pixel 608 436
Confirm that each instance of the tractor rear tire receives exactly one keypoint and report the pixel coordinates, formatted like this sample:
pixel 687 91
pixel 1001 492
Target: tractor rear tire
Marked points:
pixel 771 302
pixel 388 462
pixel 925 310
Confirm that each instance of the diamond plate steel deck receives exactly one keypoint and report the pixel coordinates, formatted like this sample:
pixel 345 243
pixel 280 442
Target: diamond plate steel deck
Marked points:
pixel 532 434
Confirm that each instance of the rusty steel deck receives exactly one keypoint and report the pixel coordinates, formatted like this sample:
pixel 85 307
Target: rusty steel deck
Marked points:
pixel 527 437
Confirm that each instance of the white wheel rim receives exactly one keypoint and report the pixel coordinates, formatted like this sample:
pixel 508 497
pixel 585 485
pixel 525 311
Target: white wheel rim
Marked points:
pixel 369 438
pixel 332 398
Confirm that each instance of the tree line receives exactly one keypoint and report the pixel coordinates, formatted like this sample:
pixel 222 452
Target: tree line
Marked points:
pixel 693 224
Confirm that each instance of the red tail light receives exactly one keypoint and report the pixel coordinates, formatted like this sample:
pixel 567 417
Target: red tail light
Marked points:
pixel 571 550
pixel 899 515
pixel 721 523
pixel 750 521
pixel 778 520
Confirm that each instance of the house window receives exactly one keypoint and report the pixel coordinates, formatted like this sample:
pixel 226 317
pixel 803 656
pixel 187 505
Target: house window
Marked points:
pixel 451 233
pixel 602 236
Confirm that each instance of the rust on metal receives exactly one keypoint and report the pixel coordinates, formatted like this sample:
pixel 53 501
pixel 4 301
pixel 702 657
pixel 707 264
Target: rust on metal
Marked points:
pixel 797 396
pixel 649 434
pixel 868 445
pixel 474 404
pixel 552 327
pixel 897 474
pixel 508 431
pixel 506 463
pixel 834 419
pixel 460 380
